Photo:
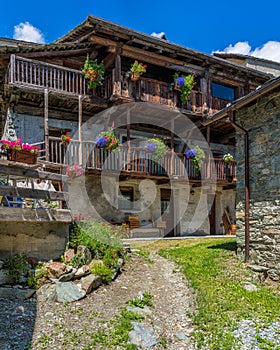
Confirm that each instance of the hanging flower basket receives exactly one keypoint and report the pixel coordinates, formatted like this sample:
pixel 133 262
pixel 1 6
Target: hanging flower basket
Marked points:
pixel 107 140
pixel 134 76
pixel 65 138
pixel 184 84
pixel 157 147
pixel 136 70
pixel 197 156
pixel 93 72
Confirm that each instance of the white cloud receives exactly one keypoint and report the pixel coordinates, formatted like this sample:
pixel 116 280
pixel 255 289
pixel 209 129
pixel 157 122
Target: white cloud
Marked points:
pixel 27 32
pixel 269 51
pixel 160 35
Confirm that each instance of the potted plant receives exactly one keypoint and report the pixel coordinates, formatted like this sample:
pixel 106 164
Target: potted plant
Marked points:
pixel 107 140
pixel 157 147
pixel 93 72
pixel 65 138
pixel 228 158
pixel 73 171
pixel 136 70
pixel 197 156
pixel 184 84
pixel 19 151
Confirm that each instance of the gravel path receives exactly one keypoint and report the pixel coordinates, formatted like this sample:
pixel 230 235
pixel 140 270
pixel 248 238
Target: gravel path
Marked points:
pixel 50 325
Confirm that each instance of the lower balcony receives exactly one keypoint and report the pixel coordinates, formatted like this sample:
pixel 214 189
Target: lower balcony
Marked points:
pixel 137 162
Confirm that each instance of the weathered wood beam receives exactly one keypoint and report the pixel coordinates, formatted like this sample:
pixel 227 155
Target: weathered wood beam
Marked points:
pixel 25 171
pixel 37 215
pixel 24 192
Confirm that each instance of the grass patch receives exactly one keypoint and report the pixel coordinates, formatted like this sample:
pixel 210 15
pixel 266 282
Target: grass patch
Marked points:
pixel 217 276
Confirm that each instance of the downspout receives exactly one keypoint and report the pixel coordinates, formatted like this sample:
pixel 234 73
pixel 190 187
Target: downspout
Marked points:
pixel 247 183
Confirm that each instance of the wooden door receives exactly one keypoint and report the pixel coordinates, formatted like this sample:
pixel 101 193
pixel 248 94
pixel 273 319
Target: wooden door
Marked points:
pixel 167 211
pixel 211 200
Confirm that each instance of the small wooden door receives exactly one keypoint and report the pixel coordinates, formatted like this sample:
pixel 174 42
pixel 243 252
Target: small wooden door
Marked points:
pixel 167 211
pixel 211 200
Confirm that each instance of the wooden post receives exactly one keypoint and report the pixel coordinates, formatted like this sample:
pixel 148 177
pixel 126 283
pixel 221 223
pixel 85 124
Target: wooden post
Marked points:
pixel 80 130
pixel 128 139
pixel 118 71
pixel 13 69
pixel 208 168
pixel 46 124
pixel 172 148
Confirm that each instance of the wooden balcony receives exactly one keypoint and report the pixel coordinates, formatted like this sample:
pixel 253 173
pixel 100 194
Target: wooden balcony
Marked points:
pixel 37 75
pixel 137 162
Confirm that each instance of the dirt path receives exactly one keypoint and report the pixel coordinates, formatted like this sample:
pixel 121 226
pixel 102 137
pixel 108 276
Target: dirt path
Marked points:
pixel 69 326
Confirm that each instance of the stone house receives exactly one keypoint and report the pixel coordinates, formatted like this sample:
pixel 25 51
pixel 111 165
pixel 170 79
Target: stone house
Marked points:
pixel 256 118
pixel 43 95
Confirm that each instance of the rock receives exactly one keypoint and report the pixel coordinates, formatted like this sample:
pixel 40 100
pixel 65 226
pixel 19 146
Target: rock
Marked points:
pixel 85 253
pixel 47 293
pixel 16 293
pixel 1 264
pixel 82 271
pixel 142 336
pixel 258 268
pixel 56 269
pixel 250 286
pixel 68 292
pixel 181 336
pixel 69 255
pixel 68 276
pixel 142 311
pixel 4 278
pixel 90 283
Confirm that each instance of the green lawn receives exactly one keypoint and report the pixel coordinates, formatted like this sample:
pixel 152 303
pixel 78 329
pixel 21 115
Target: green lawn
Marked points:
pixel 217 277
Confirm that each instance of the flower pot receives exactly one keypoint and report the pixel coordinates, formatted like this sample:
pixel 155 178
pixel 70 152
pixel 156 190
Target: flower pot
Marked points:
pixel 22 156
pixel 176 86
pixel 134 76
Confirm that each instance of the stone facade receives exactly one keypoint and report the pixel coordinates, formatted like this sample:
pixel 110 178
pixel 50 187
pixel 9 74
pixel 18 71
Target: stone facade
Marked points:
pixel 262 121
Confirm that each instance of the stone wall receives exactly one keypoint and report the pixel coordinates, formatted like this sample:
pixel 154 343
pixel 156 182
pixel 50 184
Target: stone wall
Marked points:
pixel 262 121
pixel 42 240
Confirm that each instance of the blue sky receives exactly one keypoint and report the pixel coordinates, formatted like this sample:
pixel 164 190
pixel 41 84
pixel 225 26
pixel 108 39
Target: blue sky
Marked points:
pixel 202 25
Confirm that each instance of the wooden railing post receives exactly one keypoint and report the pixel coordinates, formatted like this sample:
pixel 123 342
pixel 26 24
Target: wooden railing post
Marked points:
pixel 80 130
pixel 13 68
pixel 46 123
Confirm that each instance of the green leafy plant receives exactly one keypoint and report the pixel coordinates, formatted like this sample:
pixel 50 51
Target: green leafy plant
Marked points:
pixel 93 72
pixel 138 67
pixel 184 84
pixel 197 155
pixel 141 301
pixel 103 271
pixel 157 147
pixel 16 266
pixel 228 158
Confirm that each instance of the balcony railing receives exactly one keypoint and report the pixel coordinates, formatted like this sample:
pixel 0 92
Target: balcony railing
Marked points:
pixel 27 73
pixel 137 161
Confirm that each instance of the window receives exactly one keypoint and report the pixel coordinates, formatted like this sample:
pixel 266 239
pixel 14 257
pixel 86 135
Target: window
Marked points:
pixel 126 200
pixel 223 91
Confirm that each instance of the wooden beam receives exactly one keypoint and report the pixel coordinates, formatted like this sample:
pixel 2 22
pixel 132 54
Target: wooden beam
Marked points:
pixel 22 170
pixel 24 192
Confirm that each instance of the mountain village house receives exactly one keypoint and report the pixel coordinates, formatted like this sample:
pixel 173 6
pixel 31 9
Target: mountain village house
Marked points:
pixel 44 94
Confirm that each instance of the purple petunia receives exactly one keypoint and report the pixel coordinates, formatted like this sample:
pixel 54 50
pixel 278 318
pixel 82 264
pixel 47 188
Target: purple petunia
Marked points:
pixel 190 154
pixel 151 146
pixel 101 141
pixel 180 81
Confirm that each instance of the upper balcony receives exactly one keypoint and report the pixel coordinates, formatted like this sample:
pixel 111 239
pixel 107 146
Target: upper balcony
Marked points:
pixel 37 75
